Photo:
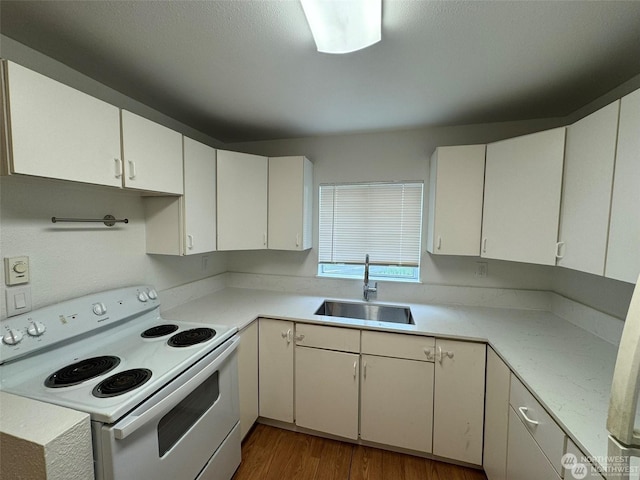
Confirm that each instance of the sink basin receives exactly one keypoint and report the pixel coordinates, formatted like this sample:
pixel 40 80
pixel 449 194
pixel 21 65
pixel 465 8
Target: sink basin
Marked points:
pixel 366 311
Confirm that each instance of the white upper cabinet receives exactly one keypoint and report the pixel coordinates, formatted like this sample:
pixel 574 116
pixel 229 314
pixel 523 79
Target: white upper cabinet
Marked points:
pixel 586 193
pixel 186 225
pixel 242 201
pixel 290 203
pixel 523 181
pixel 623 252
pixel 199 197
pixel 456 186
pixel 58 132
pixel 152 155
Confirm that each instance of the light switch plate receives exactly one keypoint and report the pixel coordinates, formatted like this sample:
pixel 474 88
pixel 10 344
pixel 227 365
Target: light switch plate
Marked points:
pixel 16 270
pixel 18 300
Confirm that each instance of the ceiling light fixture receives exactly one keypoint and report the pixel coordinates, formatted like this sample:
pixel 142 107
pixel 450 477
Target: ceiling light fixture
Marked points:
pixel 344 26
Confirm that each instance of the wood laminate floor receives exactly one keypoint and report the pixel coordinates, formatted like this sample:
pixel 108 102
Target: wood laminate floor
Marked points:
pixel 270 453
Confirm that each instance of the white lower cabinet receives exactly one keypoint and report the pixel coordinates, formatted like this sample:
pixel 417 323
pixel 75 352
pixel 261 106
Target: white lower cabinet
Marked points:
pixel 396 394
pixel 458 408
pixel 327 379
pixel 525 460
pixel 396 406
pixel 496 417
pixel 578 467
pixel 248 377
pixel 275 353
pixel 536 442
pixel 327 391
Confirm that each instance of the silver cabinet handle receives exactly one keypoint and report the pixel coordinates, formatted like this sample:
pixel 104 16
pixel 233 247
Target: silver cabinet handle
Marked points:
pixel 355 369
pixel 190 242
pixel 484 245
pixel 364 369
pixel 523 411
pixel 559 246
pixel 439 243
pixel 299 337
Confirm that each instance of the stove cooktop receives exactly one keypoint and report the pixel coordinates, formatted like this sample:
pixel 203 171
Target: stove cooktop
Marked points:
pixel 109 369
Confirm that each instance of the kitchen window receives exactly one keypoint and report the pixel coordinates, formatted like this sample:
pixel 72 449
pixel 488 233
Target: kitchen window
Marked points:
pixel 383 220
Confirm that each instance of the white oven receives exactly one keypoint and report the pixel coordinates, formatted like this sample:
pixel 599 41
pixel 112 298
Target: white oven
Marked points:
pixel 162 395
pixel 171 435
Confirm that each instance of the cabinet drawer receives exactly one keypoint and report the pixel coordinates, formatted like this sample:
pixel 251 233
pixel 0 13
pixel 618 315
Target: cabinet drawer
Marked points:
pixel 331 338
pixel 411 347
pixel 542 427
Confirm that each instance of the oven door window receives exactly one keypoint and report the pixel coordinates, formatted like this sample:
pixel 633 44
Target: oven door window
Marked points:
pixel 183 416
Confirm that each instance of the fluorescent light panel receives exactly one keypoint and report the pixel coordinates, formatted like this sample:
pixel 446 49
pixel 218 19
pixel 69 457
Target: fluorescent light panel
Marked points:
pixel 343 26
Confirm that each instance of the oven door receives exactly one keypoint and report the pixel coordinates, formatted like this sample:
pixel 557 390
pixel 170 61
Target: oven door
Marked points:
pixel 177 431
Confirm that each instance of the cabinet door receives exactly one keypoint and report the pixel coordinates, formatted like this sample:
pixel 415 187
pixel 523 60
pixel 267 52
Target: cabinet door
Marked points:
pixel 523 180
pixel 586 191
pixel 248 377
pixel 276 369
pixel 59 132
pixel 456 186
pixel 396 406
pixel 525 460
pixel 327 391
pixel 290 203
pixel 458 409
pixel 199 197
pixel 582 468
pixel 242 201
pixel 152 155
pixel 496 417
pixel 623 252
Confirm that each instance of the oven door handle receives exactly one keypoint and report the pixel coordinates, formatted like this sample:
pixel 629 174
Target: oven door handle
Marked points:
pixel 136 420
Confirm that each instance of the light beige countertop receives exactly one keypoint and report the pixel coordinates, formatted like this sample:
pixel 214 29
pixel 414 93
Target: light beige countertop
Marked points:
pixel 568 369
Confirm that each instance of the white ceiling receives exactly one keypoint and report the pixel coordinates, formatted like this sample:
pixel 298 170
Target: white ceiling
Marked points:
pixel 248 70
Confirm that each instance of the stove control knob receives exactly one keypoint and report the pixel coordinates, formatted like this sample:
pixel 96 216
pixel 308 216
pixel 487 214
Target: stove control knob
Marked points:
pixel 142 296
pixel 12 337
pixel 99 308
pixel 36 329
pixel 152 294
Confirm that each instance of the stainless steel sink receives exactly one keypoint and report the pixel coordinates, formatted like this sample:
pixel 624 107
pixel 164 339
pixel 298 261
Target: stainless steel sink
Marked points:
pixel 366 311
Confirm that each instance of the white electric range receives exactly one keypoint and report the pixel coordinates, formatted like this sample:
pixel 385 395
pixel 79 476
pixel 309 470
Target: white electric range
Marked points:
pixel 162 395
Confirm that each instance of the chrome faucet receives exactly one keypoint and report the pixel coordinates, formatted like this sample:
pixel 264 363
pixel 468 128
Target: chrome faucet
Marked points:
pixel 366 289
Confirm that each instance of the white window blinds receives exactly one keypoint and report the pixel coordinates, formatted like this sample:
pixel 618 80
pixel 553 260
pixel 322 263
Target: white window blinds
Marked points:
pixel 381 219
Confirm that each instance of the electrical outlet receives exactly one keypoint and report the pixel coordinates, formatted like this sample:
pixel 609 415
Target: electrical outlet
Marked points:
pixel 482 269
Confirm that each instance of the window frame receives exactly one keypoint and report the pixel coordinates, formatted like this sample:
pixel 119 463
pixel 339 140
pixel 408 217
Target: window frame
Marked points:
pixel 378 272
